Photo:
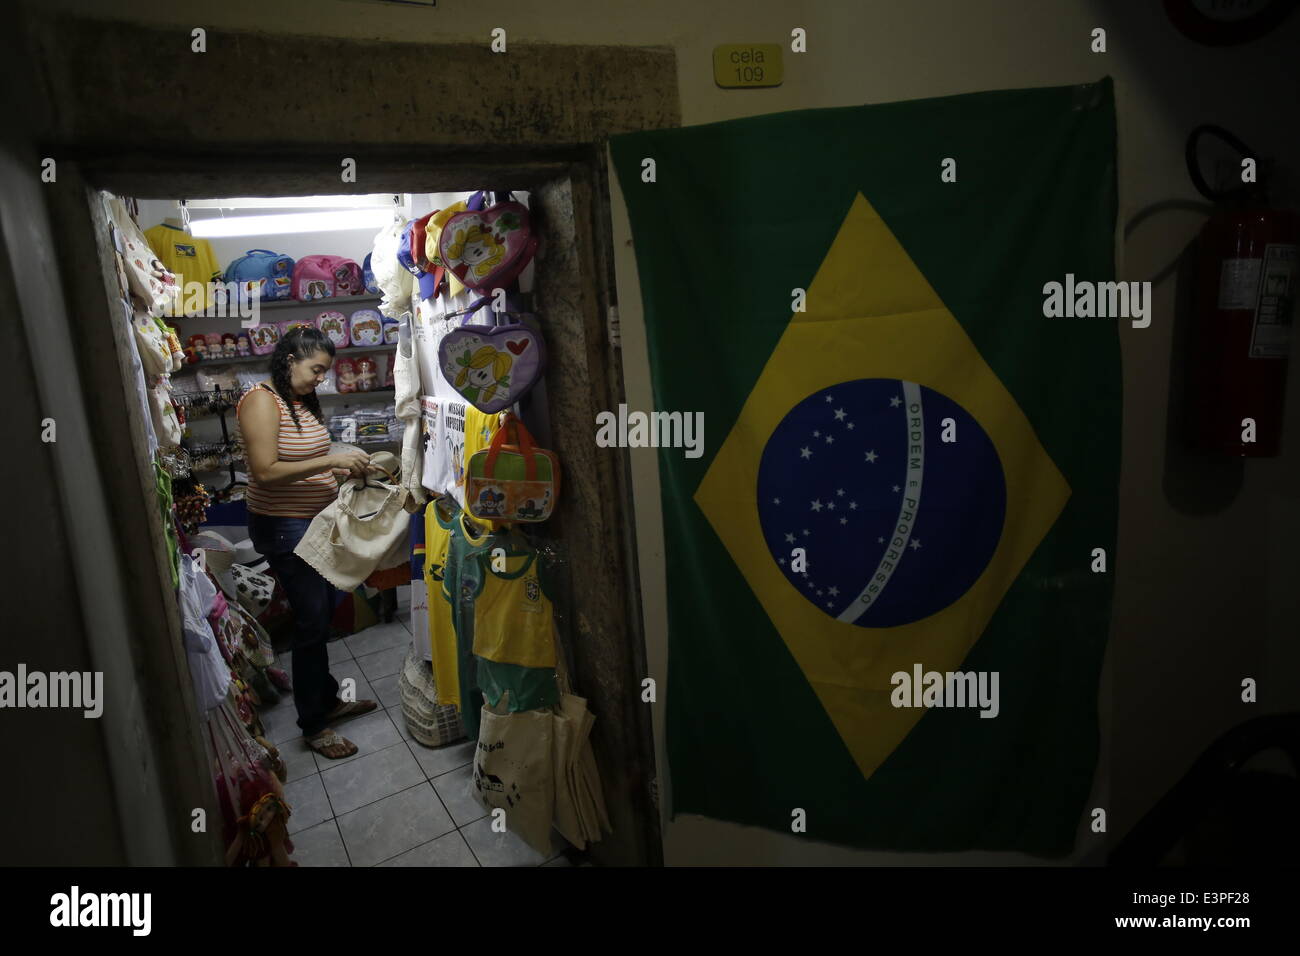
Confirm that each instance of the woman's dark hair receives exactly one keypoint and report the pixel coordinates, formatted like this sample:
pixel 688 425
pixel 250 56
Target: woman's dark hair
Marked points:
pixel 302 342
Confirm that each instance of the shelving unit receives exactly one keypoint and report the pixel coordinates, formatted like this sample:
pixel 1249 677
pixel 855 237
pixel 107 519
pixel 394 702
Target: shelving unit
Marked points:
pixel 323 305
pixel 353 396
pixel 249 359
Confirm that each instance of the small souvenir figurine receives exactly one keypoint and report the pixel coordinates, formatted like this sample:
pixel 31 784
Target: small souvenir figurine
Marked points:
pixel 347 376
pixel 388 378
pixel 214 345
pixel 366 374
pixel 198 348
pixel 242 346
pixel 228 345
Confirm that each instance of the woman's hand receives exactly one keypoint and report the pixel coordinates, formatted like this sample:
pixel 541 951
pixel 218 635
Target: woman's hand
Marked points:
pixel 354 463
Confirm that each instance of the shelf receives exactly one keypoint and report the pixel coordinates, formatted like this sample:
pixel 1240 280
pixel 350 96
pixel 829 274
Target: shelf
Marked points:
pixel 250 359
pixel 354 396
pixel 324 305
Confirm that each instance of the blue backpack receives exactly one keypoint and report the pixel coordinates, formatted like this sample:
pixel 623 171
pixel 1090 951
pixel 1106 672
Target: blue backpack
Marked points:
pixel 272 271
pixel 368 277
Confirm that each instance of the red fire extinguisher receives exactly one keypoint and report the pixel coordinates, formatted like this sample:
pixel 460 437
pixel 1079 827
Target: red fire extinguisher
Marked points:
pixel 1245 291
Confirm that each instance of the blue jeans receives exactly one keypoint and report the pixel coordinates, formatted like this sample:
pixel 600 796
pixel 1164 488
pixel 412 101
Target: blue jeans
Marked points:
pixel 312 598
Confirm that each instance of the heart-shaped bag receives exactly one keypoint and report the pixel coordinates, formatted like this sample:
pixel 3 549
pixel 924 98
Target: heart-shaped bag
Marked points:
pixel 492 366
pixel 488 248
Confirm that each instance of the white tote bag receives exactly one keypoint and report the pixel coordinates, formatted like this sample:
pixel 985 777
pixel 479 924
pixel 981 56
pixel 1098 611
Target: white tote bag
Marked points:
pixel 364 529
pixel 514 771
pixel 580 812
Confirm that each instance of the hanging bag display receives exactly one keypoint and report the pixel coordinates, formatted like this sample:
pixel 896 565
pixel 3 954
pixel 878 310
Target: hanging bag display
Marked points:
pixel 512 479
pixel 492 366
pixel 487 248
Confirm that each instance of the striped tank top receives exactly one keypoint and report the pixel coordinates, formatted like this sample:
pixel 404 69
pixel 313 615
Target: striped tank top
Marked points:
pixel 308 496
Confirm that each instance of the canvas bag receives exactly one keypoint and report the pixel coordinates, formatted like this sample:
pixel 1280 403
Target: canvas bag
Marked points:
pixel 487 248
pixel 362 530
pixel 514 771
pixel 512 480
pixel 538 765
pixel 580 813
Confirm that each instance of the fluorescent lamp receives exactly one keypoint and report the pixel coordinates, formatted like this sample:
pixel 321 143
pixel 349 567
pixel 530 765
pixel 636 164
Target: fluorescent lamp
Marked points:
pixel 368 201
pixel 290 222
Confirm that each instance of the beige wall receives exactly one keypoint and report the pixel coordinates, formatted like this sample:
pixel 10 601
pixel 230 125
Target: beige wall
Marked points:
pixel 1201 601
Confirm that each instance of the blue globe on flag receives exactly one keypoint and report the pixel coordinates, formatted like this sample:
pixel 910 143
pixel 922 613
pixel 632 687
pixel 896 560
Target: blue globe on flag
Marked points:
pixel 895 523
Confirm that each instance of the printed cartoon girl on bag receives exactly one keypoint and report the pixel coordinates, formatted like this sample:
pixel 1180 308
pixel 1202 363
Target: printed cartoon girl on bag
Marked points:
pixel 479 248
pixel 482 373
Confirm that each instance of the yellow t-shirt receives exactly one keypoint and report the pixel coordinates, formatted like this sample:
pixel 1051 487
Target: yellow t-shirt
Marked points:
pixel 512 614
pixel 442 630
pixel 191 259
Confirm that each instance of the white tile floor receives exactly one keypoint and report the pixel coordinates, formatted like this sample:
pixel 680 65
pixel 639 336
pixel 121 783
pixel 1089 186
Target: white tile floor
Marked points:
pixel 395 802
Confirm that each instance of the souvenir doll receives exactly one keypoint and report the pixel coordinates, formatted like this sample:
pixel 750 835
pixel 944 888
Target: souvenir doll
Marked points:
pixel 228 345
pixel 366 374
pixel 242 346
pixel 347 376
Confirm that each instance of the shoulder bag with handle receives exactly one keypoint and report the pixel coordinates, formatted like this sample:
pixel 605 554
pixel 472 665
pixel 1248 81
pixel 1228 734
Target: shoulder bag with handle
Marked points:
pixel 512 479
pixel 487 248
pixel 492 366
pixel 364 529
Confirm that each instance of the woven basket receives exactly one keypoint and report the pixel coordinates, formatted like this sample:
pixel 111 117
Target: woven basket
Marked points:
pixel 429 723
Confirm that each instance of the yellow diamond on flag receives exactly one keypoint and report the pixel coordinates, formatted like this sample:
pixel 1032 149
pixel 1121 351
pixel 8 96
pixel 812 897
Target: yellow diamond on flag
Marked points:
pixel 875 410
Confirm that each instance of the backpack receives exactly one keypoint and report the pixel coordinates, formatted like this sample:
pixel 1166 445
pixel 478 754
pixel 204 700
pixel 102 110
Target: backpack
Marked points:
pixel 270 271
pixel 323 277
pixel 368 277
pixel 487 248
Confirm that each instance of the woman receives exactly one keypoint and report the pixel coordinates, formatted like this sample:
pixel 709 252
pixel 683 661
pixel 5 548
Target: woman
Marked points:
pixel 292 478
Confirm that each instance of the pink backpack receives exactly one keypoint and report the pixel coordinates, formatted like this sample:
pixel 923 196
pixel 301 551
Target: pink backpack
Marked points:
pixel 324 277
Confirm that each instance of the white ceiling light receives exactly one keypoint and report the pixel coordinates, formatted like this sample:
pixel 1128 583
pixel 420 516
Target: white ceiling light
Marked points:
pixel 290 222
pixel 368 201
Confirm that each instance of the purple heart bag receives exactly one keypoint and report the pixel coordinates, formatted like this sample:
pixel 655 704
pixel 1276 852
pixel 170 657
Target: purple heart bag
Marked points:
pixel 492 366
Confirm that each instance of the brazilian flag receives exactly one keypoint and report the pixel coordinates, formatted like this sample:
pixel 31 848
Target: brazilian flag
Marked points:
pixel 907 468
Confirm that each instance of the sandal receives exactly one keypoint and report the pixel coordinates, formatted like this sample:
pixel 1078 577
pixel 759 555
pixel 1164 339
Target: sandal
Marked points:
pixel 327 741
pixel 353 708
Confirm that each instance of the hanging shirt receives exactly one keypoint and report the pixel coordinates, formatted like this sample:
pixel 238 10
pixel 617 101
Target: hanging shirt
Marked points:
pixel 439 522
pixel 191 259
pixel 208 669
pixel 419 591
pixel 512 614
pixel 308 496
